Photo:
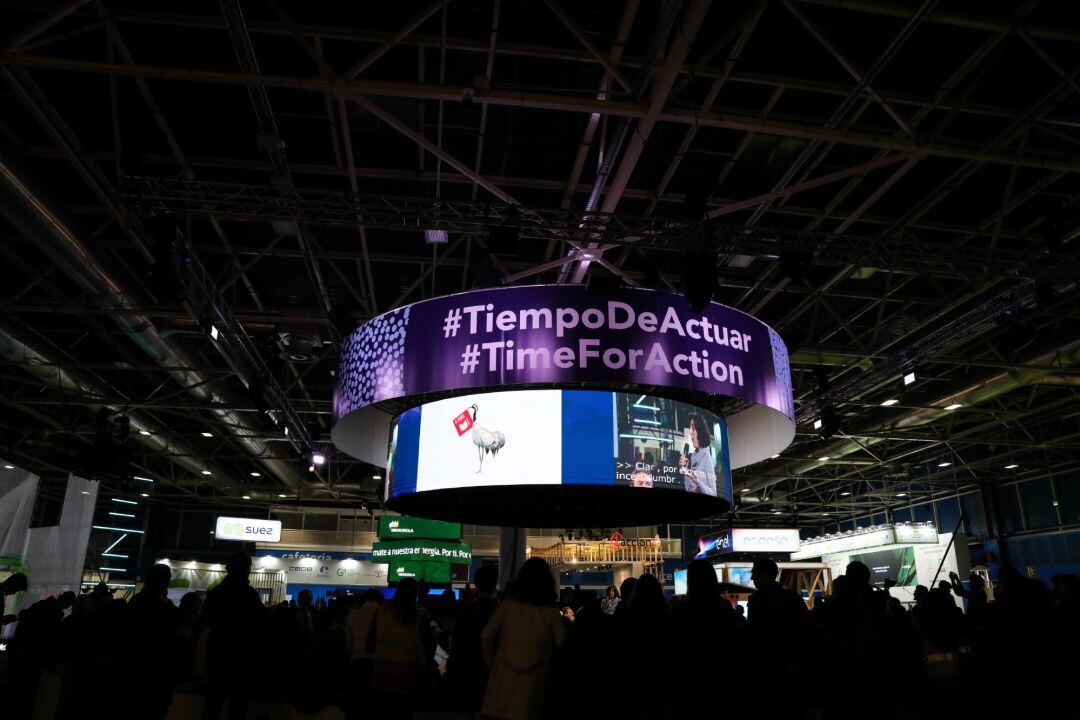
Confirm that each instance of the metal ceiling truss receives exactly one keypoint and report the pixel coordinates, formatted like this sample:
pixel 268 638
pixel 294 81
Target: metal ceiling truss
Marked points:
pixel 904 288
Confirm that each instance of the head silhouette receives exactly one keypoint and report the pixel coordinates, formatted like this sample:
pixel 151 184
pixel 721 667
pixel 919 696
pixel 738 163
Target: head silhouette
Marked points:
pixel 858 573
pixel 534 583
pixel 626 589
pixel 701 583
pixel 647 604
pixel 157 579
pixel 239 566
pixel 764 573
pixel 404 600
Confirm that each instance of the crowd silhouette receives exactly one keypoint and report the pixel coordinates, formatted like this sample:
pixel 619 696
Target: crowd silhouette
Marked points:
pixel 631 654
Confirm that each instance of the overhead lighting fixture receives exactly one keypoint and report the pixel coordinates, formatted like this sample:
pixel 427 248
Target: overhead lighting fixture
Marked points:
pixel 282 495
pixel 311 468
pixel 778 512
pixel 944 464
pixel 318 458
pixel 909 378
pixel 144 494
pixel 954 406
pixel 773 457
pixel 255 474
pixel 206 434
pixel 286 431
pixel 84 492
pixel 823 458
pixel 120 514
pixel 817 424
pixel 436 237
pixel 9 467
pixel 1011 467
pixel 889 402
pixel 214 334
pixel 376 476
pixel 825 514
pixel 207 472
pixel 844 494
pixel 745 490
pixel 901 494
pixel 142 479
pixel 143 432
pixel 246 497
pixel 125 502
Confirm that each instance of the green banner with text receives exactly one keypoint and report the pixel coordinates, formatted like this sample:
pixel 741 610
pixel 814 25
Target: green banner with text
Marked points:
pixel 394 551
pixel 394 528
pixel 432 572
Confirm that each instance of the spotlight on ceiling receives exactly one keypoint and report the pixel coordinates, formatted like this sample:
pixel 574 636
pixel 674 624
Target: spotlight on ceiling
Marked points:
pixel 255 474
pixel 318 458
pixel 944 463
pixel 954 406
pixel 823 458
pixel 1012 466
pixel 845 493
pixel 909 378
pixel 246 497
pixel 889 402
pixel 207 472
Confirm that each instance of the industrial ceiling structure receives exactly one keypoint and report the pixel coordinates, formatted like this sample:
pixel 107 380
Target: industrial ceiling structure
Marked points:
pixel 198 201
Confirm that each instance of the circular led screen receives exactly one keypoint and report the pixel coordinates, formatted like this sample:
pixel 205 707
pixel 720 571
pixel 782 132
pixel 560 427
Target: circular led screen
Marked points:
pixel 559 458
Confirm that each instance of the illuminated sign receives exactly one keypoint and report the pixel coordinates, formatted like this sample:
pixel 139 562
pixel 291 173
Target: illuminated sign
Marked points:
pixel 560 437
pixel 559 334
pixel 749 540
pixel 765 540
pixel 399 527
pixel 248 529
pixel 399 551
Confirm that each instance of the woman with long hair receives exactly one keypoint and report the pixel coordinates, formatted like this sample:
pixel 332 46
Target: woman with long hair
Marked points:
pixel 699 469
pixel 610 601
pixel 518 643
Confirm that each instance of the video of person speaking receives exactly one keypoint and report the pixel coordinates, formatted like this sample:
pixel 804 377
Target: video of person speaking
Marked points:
pixel 669 444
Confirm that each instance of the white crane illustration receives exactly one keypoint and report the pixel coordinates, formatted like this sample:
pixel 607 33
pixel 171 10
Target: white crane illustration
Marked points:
pixel 485 440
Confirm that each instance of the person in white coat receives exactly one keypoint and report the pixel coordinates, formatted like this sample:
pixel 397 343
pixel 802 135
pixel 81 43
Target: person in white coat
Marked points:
pixel 518 643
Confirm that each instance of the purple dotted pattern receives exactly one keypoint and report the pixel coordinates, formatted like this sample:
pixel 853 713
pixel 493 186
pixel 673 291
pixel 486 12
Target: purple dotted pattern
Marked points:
pixel 783 373
pixel 372 363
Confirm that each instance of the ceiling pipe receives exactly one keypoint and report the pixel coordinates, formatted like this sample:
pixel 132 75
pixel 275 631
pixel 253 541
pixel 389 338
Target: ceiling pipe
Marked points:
pixel 43 367
pixel 52 237
pixel 977 394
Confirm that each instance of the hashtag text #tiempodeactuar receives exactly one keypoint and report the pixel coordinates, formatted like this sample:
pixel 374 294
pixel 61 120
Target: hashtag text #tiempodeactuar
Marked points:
pixel 619 316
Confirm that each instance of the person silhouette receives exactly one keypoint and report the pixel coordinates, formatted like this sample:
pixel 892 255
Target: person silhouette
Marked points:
pixel 151 629
pixel 234 618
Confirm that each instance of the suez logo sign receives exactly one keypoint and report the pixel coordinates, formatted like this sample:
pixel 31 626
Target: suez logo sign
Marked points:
pixel 249 529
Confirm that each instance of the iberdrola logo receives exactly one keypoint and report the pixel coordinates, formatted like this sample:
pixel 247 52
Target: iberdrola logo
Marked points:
pixel 394 524
pixel 234 528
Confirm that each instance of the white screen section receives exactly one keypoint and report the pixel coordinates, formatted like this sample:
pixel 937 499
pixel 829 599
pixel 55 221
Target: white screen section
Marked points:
pixel 515 439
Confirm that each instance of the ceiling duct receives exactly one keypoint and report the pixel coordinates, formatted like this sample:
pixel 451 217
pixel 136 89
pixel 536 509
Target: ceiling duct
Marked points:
pixel 25 210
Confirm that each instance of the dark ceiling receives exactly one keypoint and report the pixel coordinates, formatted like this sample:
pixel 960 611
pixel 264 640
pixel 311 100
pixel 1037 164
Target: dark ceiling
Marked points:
pixel 893 186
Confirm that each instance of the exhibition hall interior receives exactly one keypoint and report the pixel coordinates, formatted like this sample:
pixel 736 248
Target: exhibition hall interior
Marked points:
pixel 528 359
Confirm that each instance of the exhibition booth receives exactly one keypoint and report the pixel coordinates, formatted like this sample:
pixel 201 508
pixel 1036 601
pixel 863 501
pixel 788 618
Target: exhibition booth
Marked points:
pixel 905 554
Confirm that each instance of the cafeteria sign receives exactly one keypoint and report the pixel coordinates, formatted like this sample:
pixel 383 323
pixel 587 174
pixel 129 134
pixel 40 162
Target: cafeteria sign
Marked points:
pixel 420 550
pixel 412 527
